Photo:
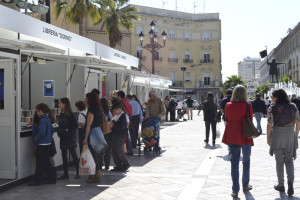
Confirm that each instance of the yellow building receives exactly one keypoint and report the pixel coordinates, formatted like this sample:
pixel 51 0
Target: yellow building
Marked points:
pixel 193 40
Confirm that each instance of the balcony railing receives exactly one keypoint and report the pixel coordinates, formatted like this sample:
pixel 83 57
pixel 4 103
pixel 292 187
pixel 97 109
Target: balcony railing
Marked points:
pixel 206 60
pixel 204 84
pixel 173 59
pixel 187 60
pixel 158 58
pixel 177 84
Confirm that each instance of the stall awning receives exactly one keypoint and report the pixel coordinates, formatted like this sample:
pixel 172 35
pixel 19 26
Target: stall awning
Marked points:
pixel 28 45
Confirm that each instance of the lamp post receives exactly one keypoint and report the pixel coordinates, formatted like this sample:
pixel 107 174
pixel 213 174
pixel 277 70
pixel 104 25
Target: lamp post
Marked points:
pixel 154 45
pixel 183 69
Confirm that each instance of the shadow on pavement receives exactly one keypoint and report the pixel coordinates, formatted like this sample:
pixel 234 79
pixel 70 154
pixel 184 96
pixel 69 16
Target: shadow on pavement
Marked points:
pixel 249 196
pixel 284 196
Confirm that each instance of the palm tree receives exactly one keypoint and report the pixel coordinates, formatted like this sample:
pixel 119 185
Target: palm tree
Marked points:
pixel 77 11
pixel 114 16
pixel 233 81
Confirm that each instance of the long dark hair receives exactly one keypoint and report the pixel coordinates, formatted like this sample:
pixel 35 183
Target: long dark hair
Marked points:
pixel 282 97
pixel 210 98
pixel 134 96
pixel 93 100
pixel 45 109
pixel 105 105
pixel 68 110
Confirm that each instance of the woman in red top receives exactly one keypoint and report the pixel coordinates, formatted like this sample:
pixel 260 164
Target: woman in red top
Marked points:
pixel 235 112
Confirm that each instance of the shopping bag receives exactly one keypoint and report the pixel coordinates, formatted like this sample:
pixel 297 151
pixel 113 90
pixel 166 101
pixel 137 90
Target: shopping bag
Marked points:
pixel 218 131
pixel 87 164
pixel 140 131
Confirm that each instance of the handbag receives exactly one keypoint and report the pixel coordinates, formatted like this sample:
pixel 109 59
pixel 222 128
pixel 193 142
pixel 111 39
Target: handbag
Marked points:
pixel 250 130
pixel 105 128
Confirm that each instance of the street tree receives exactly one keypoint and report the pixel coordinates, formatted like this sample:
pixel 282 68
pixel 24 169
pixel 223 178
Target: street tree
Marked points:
pixel 76 11
pixel 114 16
pixel 233 81
pixel 262 89
pixel 286 79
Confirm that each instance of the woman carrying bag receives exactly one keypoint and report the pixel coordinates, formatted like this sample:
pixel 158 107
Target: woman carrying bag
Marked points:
pixel 235 113
pixel 67 125
pixel 210 111
pixel 282 138
pixel 94 137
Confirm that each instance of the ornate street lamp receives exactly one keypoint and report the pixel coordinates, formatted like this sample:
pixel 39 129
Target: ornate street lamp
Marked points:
pixel 183 69
pixel 154 45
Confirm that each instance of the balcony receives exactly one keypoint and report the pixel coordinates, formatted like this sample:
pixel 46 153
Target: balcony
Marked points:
pixel 177 84
pixel 188 60
pixel 206 60
pixel 158 58
pixel 173 59
pixel 207 84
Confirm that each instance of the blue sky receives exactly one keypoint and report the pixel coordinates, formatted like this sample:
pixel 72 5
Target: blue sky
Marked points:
pixel 247 25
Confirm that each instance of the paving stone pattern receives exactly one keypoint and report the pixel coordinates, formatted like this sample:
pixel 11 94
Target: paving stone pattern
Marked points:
pixel 186 169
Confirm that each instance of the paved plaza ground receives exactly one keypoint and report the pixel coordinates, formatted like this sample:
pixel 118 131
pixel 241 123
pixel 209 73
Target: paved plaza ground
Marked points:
pixel 187 169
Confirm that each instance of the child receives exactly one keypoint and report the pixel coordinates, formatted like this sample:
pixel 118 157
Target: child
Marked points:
pixel 119 131
pixel 42 132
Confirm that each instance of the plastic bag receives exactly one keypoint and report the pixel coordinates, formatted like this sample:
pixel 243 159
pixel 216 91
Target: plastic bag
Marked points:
pixel 218 131
pixel 87 164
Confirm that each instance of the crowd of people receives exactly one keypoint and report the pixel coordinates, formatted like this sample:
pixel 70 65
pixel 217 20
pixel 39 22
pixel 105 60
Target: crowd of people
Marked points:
pixel 116 123
pixel 108 127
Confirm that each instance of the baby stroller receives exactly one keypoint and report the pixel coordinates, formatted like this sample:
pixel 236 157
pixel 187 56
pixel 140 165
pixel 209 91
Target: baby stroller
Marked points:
pixel 150 136
pixel 181 113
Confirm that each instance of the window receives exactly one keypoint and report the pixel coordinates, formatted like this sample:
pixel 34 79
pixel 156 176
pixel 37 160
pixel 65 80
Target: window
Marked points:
pixel 206 36
pixel 188 76
pixel 172 53
pixel 206 77
pixel 187 54
pixel 156 31
pixel 206 80
pixel 172 34
pixel 173 76
pixel 186 35
pixel 206 56
pixel 138 29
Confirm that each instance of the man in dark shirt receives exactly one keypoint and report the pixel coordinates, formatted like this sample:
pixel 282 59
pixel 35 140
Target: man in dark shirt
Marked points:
pixel 296 101
pixel 259 108
pixel 224 101
pixel 190 107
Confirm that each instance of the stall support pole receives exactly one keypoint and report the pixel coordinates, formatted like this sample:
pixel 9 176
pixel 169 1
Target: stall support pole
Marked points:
pixel 85 73
pixel 68 85
pixel 100 84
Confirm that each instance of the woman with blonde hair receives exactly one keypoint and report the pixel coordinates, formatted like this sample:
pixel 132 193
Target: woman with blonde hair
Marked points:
pixel 235 112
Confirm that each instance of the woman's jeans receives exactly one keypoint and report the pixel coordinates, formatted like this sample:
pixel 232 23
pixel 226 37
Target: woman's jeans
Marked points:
pixel 258 117
pixel 235 159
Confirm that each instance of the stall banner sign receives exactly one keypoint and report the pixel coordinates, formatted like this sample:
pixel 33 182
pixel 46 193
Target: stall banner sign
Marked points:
pixel 48 86
pixel 1 89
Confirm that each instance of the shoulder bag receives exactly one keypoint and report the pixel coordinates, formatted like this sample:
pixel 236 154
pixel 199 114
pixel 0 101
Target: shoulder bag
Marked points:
pixel 105 128
pixel 249 129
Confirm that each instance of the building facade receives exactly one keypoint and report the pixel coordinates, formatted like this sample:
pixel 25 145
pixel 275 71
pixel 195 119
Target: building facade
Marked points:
pixel 288 52
pixel 248 69
pixel 193 41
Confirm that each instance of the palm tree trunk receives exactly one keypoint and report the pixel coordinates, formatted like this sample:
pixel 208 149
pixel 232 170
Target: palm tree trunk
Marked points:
pixel 81 24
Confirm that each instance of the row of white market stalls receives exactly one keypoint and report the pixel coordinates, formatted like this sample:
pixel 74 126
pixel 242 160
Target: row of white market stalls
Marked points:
pixel 42 63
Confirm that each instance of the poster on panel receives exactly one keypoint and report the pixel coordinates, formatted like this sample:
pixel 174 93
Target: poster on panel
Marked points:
pixel 48 86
